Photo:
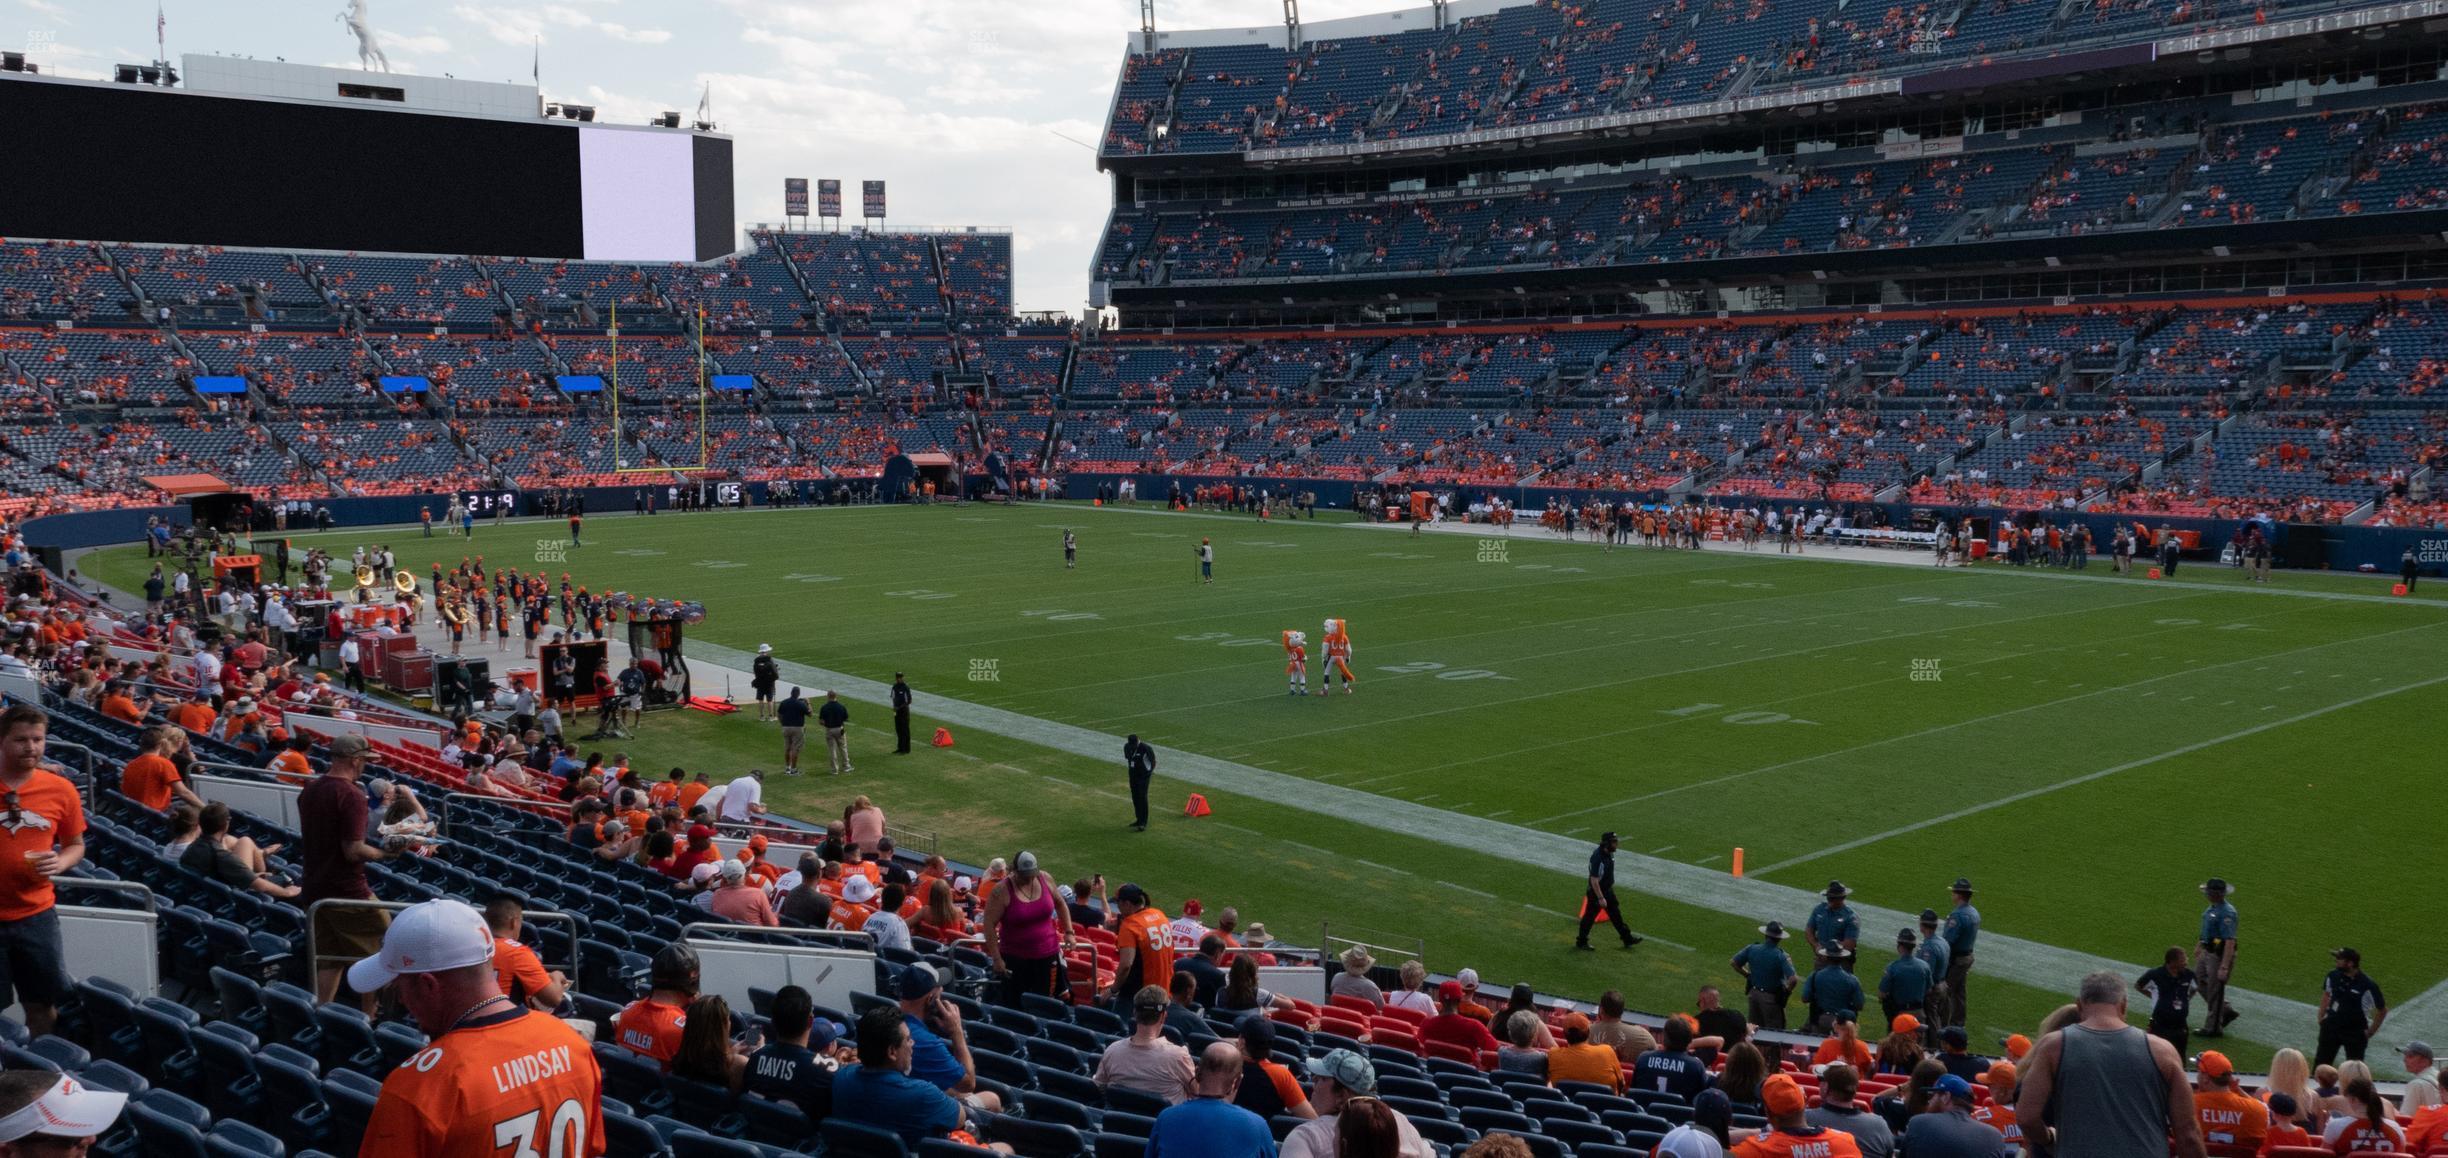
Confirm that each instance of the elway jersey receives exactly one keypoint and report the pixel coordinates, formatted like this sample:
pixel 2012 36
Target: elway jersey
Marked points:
pixel 518 1085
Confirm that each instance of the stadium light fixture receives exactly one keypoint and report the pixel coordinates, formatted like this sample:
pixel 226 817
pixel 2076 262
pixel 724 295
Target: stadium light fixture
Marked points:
pixel 669 120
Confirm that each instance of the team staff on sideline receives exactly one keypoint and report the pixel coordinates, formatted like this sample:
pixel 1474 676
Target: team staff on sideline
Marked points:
pixel 1140 757
pixel 1768 976
pixel 835 716
pixel 495 1077
pixel 2351 1008
pixel 1600 896
pixel 763 674
pixel 42 835
pixel 792 714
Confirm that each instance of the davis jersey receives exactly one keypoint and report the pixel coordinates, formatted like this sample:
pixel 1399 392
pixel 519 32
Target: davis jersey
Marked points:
pixel 522 1085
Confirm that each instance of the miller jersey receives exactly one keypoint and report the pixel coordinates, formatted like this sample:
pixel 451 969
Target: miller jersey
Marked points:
pixel 522 1085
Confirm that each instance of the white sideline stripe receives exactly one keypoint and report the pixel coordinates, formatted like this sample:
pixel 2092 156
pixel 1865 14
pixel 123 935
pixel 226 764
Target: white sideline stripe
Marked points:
pixel 2086 778
pixel 2045 967
pixel 1883 557
pixel 2423 1019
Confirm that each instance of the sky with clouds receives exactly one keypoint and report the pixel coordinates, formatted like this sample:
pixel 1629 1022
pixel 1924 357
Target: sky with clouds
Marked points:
pixel 961 105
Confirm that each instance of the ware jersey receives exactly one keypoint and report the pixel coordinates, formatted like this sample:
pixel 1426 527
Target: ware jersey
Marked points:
pixel 522 1085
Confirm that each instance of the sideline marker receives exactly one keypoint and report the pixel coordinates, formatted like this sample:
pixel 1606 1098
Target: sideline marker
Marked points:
pixel 1738 853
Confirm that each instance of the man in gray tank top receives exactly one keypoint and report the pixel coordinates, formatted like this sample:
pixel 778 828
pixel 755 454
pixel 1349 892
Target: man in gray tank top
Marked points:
pixel 2101 1088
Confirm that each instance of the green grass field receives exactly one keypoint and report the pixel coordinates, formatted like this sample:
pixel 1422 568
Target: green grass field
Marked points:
pixel 2086 750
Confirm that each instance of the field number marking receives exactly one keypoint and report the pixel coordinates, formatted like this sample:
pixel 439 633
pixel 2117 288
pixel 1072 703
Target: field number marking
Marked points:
pixel 1424 667
pixel 1744 718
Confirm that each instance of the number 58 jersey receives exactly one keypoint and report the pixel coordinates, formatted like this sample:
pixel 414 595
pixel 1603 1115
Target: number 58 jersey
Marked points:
pixel 520 1086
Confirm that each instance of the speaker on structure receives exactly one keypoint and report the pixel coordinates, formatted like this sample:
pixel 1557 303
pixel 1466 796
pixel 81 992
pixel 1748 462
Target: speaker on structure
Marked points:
pixel 476 681
pixel 450 684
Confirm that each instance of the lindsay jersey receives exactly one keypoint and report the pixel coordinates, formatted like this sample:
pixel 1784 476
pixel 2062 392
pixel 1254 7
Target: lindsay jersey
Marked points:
pixel 522 1085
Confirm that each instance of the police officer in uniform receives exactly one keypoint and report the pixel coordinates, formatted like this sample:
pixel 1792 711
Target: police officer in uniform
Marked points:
pixel 1768 976
pixel 1962 928
pixel 1601 895
pixel 2214 957
pixel 2351 1008
pixel 901 709
pixel 1832 925
pixel 1940 957
pixel 1905 986
pixel 1141 757
pixel 1830 991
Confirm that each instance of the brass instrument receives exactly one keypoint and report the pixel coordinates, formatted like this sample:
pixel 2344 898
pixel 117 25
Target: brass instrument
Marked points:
pixel 365 575
pixel 403 582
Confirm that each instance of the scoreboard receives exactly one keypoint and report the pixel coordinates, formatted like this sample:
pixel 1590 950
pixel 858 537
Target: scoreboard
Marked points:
pixel 96 161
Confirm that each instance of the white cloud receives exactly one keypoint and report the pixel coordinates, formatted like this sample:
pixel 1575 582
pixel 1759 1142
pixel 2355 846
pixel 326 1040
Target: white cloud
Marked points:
pixel 427 44
pixel 47 8
pixel 507 25
pixel 634 35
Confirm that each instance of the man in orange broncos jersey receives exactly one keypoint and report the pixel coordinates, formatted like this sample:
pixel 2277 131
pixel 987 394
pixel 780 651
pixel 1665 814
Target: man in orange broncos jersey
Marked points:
pixel 1296 662
pixel 497 1079
pixel 1338 657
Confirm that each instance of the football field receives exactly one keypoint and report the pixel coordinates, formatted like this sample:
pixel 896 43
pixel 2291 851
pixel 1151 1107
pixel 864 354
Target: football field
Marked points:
pixel 2086 749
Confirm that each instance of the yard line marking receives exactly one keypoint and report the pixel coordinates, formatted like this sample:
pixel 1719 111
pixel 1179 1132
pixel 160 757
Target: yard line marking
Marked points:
pixel 1733 776
pixel 1661 851
pixel 1310 848
pixel 1755 706
pixel 2003 956
pixel 1467 889
pixel 1500 812
pixel 1382 868
pixel 2086 778
pixel 1710 857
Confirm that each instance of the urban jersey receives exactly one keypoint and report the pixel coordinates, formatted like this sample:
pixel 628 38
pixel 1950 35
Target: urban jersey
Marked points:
pixel 521 1085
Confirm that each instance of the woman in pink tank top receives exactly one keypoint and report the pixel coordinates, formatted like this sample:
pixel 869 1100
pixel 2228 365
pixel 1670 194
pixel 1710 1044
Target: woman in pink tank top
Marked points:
pixel 1027 928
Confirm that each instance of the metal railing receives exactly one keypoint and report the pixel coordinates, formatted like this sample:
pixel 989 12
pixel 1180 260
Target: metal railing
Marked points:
pixel 85 781
pixel 152 902
pixel 316 958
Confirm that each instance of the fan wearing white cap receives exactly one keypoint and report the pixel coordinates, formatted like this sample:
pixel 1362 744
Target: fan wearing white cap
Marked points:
pixel 44 1113
pixel 497 1077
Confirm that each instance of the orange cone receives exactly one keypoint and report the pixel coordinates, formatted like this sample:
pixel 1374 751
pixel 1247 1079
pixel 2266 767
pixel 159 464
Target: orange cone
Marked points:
pixel 1196 806
pixel 943 737
pixel 1738 855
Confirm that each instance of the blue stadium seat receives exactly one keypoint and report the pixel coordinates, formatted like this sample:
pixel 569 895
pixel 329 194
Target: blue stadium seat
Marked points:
pixel 633 1078
pixel 704 1105
pixel 1119 1146
pixel 1484 1120
pixel 1630 1121
pixel 1480 1099
pixel 1134 1101
pixel 351 1105
pixel 1574 1134
pixel 1045 1008
pixel 231 1086
pixel 626 1135
pixel 1135 1125
pixel 856 1140
pixel 1444 1133
pixel 348 1041
pixel 1071 1086
pixel 171 1126
pixel 170 1054
pixel 1418 1108
pixel 772 1123
pixel 1045 1107
pixel 1003 1068
pixel 1100 1020
pixel 239 1140
pixel 1055 1055
pixel 110 1020
pixel 1034 1139
pixel 694 1144
pixel 292 1100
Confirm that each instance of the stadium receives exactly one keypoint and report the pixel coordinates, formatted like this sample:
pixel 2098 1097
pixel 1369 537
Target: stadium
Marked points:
pixel 1535 503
